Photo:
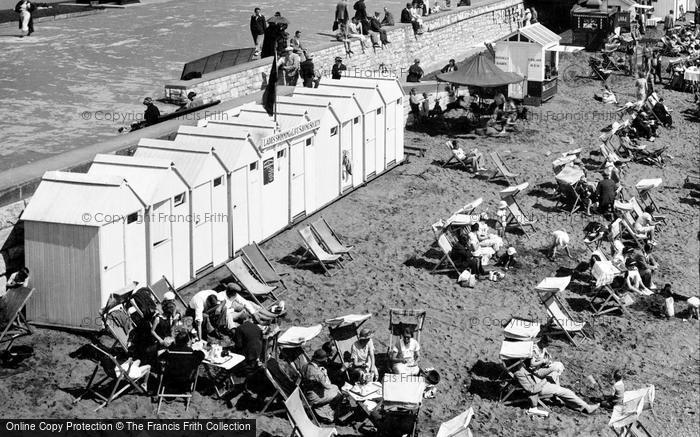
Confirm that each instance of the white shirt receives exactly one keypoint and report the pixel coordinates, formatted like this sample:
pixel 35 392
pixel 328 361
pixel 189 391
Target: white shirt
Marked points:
pixel 197 303
pixel 408 352
pixel 561 238
pixel 237 301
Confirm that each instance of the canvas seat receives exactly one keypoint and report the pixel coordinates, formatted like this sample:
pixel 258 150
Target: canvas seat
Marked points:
pixel 400 319
pixel 329 239
pixel 644 188
pixel 516 216
pixel 303 425
pixel 119 378
pixel 606 299
pixel 261 265
pixel 502 171
pixel 638 211
pixel 178 380
pixel 446 248
pixel 567 180
pixel 561 320
pixel 259 291
pixel 457 158
pixel 119 325
pixel 343 332
pixel 162 286
pixel 625 419
pixel 315 252
pixel 282 382
pixel 293 340
pixel 13 324
pixel 458 426
pixel 465 215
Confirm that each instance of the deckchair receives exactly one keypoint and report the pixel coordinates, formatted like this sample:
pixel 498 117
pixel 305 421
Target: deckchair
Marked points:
pixel 567 179
pixel 466 214
pixel 293 341
pixel 457 426
pixel 624 420
pixel 261 265
pixel 455 158
pixel 611 156
pixel 446 248
pixel 118 379
pixel 627 223
pixel 644 188
pixel 303 425
pixel 519 329
pixel 502 171
pixel 178 378
pixel 119 325
pixel 399 319
pixel 162 286
pixel 329 239
pixel 604 272
pixel 560 318
pixel 282 383
pixel 638 211
pixel 12 320
pixel 314 249
pixel 516 216
pixel 512 354
pixel 257 290
pixel 343 331
pixel 402 399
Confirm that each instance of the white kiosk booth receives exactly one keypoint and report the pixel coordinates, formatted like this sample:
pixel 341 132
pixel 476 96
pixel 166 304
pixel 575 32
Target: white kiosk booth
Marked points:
pixel 166 196
pixel 84 238
pixel 206 176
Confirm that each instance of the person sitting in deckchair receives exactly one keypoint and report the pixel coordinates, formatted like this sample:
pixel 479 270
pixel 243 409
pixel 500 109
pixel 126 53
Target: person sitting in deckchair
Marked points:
pixel 541 364
pixel 645 224
pixel 363 365
pixel 535 385
pixel 200 307
pixel 487 239
pixel 560 241
pixel 474 245
pixel 237 303
pixel 633 281
pixel 471 159
pixel 586 192
pixel 405 355
pixel 617 394
pixel 323 396
pixel 619 258
pixel 646 262
pixel 163 326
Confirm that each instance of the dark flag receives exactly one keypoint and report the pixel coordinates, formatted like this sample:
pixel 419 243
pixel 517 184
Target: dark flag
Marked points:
pixel 270 95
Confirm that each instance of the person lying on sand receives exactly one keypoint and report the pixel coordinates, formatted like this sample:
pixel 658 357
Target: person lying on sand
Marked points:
pixel 537 386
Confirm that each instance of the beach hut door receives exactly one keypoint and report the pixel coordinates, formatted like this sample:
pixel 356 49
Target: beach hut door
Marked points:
pixel 112 257
pixel 201 224
pixel 161 241
pixel 296 187
pixel 390 134
pixel 239 203
pixel 370 145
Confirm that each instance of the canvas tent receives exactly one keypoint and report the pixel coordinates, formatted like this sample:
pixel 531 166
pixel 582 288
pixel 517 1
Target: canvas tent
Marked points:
pixel 84 239
pixel 166 196
pixel 206 176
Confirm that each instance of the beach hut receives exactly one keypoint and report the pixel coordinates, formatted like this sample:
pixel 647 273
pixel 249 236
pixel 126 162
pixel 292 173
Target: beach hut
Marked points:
pixel 348 111
pixel 532 52
pixel 592 23
pixel 207 178
pixel 84 238
pixel 242 161
pixel 372 106
pixel 165 194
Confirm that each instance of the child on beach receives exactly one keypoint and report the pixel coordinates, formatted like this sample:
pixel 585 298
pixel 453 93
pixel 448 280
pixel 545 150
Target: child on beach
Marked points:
pixel 560 241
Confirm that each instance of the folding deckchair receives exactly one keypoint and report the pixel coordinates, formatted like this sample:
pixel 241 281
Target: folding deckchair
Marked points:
pixel 466 214
pixel 282 382
pixel 303 425
pixel 313 248
pixel 162 286
pixel 120 376
pixel 502 170
pixel 644 187
pixel 446 248
pixel 567 179
pixel 518 329
pixel 12 321
pixel 638 211
pixel 457 426
pixel 261 265
pixel 402 399
pixel 293 340
pixel 343 331
pixel 257 290
pixel 457 158
pixel 624 420
pixel 329 239
pixel 403 318
pixel 179 376
pixel 560 318
pixel 512 354
pixel 119 325
pixel 604 272
pixel 627 223
pixel 611 156
pixel 516 216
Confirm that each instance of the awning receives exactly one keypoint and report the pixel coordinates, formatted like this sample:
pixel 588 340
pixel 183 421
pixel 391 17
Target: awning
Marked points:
pixel 643 6
pixel 480 71
pixel 566 49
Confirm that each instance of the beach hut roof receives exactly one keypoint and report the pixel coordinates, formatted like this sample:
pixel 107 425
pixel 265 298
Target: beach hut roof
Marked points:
pixel 192 163
pixel 536 33
pixel 153 180
pixel 342 100
pixel 389 88
pixel 229 149
pixel 77 198
pixel 317 105
pixel 229 130
pixel 285 119
pixel 368 99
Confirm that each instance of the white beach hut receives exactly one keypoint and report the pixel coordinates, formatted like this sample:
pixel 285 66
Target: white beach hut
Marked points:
pixel 166 196
pixel 207 178
pixel 84 238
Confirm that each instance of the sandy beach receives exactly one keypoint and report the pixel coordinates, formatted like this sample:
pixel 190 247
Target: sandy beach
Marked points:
pixel 388 221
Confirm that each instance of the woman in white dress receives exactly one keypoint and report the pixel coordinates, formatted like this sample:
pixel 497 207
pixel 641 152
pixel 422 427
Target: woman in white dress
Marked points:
pixel 24 9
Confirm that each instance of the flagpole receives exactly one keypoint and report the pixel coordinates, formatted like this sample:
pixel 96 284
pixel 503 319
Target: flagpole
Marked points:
pixel 274 110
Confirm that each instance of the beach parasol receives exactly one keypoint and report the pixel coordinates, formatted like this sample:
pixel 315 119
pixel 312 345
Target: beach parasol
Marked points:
pixel 480 71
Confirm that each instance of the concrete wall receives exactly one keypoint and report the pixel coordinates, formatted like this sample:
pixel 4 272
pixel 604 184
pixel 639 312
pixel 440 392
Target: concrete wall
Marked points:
pixel 452 34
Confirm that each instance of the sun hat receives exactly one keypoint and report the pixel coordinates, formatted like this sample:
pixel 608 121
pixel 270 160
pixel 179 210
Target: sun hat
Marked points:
pixel 169 295
pixel 511 251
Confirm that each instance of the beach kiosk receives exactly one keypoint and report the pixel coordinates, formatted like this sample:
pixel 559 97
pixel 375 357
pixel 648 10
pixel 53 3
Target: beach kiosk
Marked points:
pixel 166 196
pixel 532 52
pixel 206 176
pixel 242 161
pixel 592 23
pixel 84 238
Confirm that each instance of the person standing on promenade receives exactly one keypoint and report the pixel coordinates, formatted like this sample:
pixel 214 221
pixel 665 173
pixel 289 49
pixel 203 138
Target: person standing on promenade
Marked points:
pixel 290 64
pixel 338 68
pixel 388 19
pixel 25 8
pixel 341 14
pixel 257 30
pixel 361 15
pixel 298 47
pixel 307 71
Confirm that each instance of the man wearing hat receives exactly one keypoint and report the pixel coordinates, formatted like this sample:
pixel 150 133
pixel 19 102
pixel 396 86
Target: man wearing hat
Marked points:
pixel 415 72
pixel 248 341
pixel 363 365
pixel 151 114
pixel 307 71
pixel 606 191
pixel 338 68
pixel 289 65
pixel 190 102
pixel 323 396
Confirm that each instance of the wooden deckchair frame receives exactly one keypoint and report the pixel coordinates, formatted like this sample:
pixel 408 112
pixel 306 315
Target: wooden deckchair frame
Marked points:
pixel 455 160
pixel 161 395
pixel 545 296
pixel 567 195
pixel 444 244
pixel 118 333
pixel 308 246
pixel 279 390
pixel 511 386
pixel 613 302
pixel 335 331
pixel 118 377
pixel 15 300
pixel 261 265
pixel 329 239
pixel 298 397
pixel 516 216
pixel 628 227
pixel 632 430
pixel 241 271
pixel 502 170
pixel 163 285
pixel 419 316
pixel 638 210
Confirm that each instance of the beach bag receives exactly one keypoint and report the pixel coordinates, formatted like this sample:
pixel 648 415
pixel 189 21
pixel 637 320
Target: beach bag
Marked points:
pixel 467 279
